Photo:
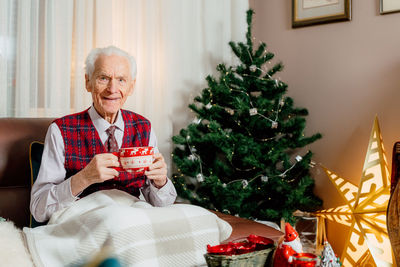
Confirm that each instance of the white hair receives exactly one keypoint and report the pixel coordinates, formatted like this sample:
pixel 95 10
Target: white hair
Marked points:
pixel 109 50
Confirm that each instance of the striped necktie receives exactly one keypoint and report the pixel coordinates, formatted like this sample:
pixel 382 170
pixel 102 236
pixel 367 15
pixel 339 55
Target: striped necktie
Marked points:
pixel 111 143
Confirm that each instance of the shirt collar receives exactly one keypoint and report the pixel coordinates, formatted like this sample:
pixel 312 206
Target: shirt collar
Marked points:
pixel 101 124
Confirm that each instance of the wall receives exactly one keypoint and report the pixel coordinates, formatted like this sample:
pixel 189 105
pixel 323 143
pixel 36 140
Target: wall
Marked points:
pixel 344 73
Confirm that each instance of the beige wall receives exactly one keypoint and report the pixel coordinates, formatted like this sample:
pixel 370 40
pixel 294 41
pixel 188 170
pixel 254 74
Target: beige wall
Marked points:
pixel 343 73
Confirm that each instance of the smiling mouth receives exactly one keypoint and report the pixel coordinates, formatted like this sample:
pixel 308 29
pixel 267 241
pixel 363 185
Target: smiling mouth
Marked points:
pixel 111 98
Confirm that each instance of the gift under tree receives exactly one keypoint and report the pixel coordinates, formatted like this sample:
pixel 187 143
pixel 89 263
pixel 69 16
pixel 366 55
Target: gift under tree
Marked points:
pixel 242 153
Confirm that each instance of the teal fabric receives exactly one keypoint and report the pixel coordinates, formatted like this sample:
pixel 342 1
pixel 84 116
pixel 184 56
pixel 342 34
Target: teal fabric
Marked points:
pixel 107 262
pixel 35 157
pixel 110 262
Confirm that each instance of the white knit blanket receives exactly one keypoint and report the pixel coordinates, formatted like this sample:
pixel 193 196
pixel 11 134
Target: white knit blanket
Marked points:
pixel 137 233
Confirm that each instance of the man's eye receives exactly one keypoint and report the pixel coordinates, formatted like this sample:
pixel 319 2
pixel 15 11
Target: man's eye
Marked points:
pixel 121 80
pixel 102 79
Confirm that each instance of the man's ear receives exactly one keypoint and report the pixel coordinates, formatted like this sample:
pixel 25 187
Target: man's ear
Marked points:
pixel 87 83
pixel 132 87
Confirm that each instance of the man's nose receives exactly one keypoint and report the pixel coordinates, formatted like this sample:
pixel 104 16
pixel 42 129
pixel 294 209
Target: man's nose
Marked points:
pixel 112 86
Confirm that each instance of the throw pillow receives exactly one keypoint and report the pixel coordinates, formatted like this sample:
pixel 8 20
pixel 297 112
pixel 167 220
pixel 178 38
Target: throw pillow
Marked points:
pixel 35 159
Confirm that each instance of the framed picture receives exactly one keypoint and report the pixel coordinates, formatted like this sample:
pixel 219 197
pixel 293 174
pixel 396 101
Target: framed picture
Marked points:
pixel 311 12
pixel 390 6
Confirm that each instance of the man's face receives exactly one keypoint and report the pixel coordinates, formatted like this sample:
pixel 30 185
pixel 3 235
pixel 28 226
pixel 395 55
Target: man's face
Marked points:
pixel 110 85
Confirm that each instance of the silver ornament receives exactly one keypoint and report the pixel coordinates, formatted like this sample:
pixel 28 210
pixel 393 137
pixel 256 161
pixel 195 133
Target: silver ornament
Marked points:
pixel 274 125
pixel 312 164
pixel 181 147
pixel 264 178
pixel 298 158
pixel 255 94
pixel 253 111
pixel 237 76
pixel 253 68
pixel 245 183
pixel 230 111
pixel 192 157
pixel 200 177
pixel 205 122
pixel 196 121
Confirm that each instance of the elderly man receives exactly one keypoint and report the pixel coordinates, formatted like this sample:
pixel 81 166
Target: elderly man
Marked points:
pixel 77 158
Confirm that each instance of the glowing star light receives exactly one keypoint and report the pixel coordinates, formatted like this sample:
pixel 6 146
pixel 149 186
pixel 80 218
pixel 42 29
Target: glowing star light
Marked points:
pixel 365 212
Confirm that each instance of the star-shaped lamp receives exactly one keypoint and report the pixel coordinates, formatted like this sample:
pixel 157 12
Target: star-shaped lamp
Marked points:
pixel 365 212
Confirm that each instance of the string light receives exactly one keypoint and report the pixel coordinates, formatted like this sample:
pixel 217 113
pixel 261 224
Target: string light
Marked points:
pixel 200 176
pixel 266 178
pixel 254 111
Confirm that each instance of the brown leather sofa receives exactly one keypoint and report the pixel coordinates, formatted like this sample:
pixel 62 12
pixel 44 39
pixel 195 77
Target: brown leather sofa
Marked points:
pixel 16 134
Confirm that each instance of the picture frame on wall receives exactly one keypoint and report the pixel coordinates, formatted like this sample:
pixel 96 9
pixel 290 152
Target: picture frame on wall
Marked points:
pixel 389 6
pixel 312 12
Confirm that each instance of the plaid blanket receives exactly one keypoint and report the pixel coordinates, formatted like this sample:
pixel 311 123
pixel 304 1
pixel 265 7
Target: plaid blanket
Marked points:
pixel 137 233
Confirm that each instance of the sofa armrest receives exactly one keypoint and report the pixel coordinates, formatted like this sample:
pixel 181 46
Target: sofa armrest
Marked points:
pixel 242 228
pixel 395 166
pixel 14 204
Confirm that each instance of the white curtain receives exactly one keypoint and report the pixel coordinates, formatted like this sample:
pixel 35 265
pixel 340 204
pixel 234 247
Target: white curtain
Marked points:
pixel 177 43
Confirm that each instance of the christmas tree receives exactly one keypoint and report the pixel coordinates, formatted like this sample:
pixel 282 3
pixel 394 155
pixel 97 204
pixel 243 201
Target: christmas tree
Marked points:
pixel 240 154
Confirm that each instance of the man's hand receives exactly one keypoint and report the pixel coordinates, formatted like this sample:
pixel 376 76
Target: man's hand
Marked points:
pixel 97 171
pixel 157 172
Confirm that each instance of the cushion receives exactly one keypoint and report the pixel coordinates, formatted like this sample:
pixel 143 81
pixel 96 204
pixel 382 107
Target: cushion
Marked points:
pixel 35 159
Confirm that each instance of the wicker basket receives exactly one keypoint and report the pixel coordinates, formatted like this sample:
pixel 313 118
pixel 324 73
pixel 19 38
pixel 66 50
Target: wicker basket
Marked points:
pixel 252 259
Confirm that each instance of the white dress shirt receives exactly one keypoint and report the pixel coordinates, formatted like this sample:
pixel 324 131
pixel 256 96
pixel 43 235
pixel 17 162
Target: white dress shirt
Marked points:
pixel 52 192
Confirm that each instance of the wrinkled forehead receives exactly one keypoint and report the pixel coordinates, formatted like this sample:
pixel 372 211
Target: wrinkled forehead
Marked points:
pixel 112 65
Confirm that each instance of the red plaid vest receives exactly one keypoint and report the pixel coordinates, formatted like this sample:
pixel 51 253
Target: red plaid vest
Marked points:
pixel 82 143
